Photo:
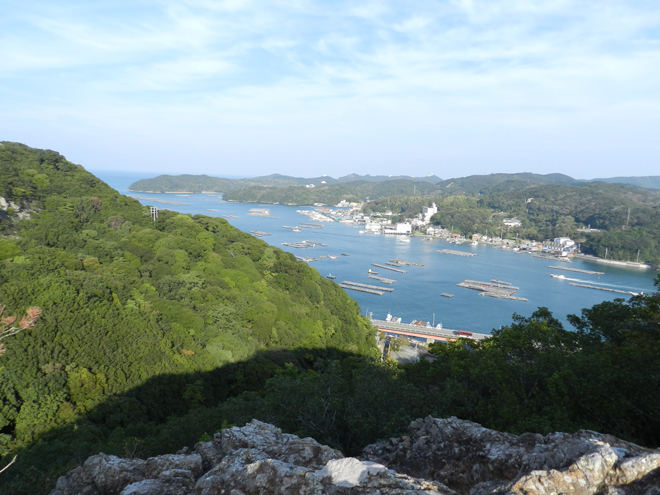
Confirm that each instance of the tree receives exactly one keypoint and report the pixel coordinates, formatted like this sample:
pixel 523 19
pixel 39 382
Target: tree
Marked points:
pixel 9 328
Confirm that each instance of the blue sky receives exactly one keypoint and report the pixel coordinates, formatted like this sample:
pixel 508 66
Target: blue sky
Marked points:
pixel 303 87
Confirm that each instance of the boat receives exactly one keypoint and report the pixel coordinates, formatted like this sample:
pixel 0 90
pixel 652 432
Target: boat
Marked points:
pixel 345 254
pixel 361 231
pixel 474 243
pixel 556 276
pixel 371 272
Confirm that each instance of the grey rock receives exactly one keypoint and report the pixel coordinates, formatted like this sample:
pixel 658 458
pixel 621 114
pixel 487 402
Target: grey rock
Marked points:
pixel 438 456
pixel 269 439
pixel 472 459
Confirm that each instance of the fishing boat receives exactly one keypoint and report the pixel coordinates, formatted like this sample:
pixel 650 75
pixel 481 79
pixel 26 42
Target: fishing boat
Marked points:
pixel 556 276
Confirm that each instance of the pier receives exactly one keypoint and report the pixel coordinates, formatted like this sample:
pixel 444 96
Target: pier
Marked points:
pixel 366 286
pixel 382 279
pixel 429 333
pixel 388 268
pixel 588 272
pixel 586 286
pixel 456 253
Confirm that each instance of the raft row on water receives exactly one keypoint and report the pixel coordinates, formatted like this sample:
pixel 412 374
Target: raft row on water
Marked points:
pixel 388 268
pixel 630 293
pixel 499 291
pixel 366 286
pixel 588 272
pixel 353 287
pixel 259 233
pixel 404 262
pixel 382 279
pixel 455 253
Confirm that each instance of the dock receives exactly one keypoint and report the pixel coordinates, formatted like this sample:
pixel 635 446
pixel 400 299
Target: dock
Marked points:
pixel 228 216
pixel 382 279
pixel 366 286
pixel 388 268
pixel 404 262
pixel 259 233
pixel 311 225
pixel 588 272
pixel 500 282
pixel 586 286
pixel 361 289
pixel 430 333
pixel 394 264
pixel 455 253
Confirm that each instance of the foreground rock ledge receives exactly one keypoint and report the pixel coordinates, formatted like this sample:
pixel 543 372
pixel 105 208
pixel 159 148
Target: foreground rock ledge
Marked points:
pixel 438 456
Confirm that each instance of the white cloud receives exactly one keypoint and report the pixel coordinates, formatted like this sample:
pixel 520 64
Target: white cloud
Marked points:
pixel 424 71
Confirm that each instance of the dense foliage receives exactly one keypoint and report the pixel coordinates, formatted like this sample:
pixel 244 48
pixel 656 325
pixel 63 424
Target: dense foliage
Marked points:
pixel 356 191
pixel 125 299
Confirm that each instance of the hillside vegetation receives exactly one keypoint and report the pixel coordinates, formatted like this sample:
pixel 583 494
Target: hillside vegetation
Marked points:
pixel 199 183
pixel 125 299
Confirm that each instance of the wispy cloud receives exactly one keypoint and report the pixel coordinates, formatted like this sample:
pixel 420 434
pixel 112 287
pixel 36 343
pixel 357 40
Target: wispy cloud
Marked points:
pixel 454 72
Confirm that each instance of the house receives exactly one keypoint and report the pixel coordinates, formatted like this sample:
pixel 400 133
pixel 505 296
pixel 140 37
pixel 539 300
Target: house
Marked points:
pixel 512 222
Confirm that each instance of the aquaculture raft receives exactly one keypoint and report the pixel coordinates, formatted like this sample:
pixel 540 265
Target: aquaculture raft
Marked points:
pixel 456 253
pixel 490 289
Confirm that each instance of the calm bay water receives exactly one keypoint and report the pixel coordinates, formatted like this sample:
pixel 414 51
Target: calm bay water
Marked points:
pixel 417 293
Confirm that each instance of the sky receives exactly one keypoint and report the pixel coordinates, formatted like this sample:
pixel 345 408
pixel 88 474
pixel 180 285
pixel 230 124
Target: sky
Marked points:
pixel 305 87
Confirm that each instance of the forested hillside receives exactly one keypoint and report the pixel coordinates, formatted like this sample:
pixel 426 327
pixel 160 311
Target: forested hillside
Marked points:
pixel 125 300
pixel 199 183
pixel 357 191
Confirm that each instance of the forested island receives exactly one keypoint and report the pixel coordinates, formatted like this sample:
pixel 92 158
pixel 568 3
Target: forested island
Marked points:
pixel 136 336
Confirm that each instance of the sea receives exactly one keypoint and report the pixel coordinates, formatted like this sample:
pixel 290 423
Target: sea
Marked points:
pixel 417 293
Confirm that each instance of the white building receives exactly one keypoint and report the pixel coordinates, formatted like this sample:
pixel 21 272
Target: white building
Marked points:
pixel 564 241
pixel 512 222
pixel 428 212
pixel 399 229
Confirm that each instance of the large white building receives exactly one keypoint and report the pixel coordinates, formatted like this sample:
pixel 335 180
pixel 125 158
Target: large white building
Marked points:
pixel 428 212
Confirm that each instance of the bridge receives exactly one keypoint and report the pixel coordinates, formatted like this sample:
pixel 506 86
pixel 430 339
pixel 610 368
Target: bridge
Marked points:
pixel 428 333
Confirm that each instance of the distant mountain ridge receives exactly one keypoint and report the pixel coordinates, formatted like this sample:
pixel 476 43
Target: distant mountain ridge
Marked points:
pixel 199 183
pixel 471 184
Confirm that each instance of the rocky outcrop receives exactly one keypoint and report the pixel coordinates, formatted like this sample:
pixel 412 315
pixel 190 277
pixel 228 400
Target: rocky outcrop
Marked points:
pixel 255 459
pixel 474 460
pixel 438 456
pixel 18 212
